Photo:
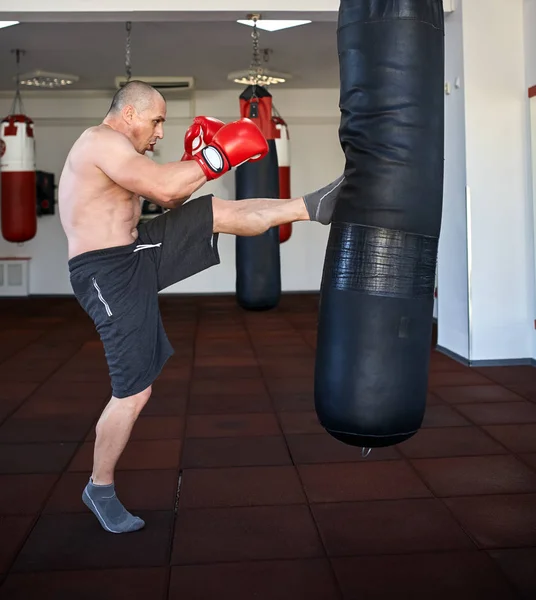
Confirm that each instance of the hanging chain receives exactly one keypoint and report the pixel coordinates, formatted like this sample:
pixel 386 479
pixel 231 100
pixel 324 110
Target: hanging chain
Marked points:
pixel 18 97
pixel 255 69
pixel 128 67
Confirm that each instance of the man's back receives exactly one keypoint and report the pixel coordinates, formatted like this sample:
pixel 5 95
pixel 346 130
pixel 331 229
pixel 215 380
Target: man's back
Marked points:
pixel 95 212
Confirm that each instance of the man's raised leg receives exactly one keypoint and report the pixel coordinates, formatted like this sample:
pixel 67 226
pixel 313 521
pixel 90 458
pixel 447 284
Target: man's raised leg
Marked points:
pixel 113 432
pixel 255 216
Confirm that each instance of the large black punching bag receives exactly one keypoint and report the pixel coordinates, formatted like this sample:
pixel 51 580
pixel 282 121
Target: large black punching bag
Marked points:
pixel 376 304
pixel 258 261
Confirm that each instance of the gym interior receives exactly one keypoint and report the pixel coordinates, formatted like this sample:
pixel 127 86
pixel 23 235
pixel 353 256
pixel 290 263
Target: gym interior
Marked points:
pixel 245 491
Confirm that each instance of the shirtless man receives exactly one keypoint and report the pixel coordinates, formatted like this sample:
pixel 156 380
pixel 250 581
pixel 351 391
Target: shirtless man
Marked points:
pixel 117 265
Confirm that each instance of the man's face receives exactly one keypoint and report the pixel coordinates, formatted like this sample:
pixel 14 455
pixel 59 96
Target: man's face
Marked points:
pixel 148 125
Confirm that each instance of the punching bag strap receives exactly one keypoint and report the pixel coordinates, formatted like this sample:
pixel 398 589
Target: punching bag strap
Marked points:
pixel 17 107
pixel 254 108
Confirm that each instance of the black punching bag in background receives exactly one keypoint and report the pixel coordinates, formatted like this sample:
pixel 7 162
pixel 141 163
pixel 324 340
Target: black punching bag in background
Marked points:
pixel 258 261
pixel 375 316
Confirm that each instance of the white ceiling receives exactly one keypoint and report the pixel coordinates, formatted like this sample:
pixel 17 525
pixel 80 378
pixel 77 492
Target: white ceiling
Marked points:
pixel 205 50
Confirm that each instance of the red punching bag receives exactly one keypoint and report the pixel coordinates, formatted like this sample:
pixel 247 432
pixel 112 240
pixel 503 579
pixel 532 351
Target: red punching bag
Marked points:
pixel 282 145
pixel 18 179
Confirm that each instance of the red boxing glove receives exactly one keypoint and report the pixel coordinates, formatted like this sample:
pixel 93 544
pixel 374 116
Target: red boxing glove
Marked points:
pixel 234 144
pixel 199 134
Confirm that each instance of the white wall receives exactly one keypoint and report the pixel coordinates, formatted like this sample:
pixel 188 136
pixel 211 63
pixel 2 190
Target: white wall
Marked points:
pixel 530 41
pixel 316 159
pixel 530 81
pixel 453 332
pixel 496 134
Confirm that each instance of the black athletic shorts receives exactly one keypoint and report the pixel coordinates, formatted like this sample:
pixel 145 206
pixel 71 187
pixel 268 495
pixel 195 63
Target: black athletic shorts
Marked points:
pixel 118 288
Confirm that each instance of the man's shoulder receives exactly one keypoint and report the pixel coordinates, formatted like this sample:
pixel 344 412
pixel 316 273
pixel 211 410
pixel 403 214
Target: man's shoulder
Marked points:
pixel 104 132
pixel 98 143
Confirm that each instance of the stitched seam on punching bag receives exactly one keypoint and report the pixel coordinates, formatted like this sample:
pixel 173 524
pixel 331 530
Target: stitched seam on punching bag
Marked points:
pixel 352 224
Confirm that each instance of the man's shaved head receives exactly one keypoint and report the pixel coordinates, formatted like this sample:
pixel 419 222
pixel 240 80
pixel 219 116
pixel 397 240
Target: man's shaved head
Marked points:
pixel 138 111
pixel 135 93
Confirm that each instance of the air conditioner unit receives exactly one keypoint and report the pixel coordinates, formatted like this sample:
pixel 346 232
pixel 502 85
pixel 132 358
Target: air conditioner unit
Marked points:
pixel 166 85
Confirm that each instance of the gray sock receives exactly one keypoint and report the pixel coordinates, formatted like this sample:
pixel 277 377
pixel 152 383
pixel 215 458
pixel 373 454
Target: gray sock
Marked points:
pixel 112 515
pixel 321 204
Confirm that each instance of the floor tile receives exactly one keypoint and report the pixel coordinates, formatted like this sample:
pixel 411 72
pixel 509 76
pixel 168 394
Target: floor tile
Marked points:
pixel 499 413
pixel 235 452
pixel 8 407
pixel 238 534
pixel 13 531
pixel 388 527
pixel 450 441
pixel 24 494
pixel 517 438
pixel 104 584
pixel 142 454
pixel 228 386
pixel 153 428
pixel 294 402
pixel 263 580
pixel 471 575
pixel 465 476
pixel 227 372
pixel 14 371
pixel 77 541
pixel 231 361
pixel 324 448
pixel 290 385
pixel 345 482
pixel 529 459
pixel 507 521
pixel 35 458
pixel 16 391
pixel 457 377
pixel 515 374
pixel 443 416
pixel 137 490
pixel 92 392
pixel 432 399
pixel 38 408
pixel 169 390
pixel 58 428
pixel 240 486
pixel 165 405
pixel 525 390
pixel 203 426
pixel 300 422
pixel 472 394
pixel 441 362
pixel 229 404
pixel 518 566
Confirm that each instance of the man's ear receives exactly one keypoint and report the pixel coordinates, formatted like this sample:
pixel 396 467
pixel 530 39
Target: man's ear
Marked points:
pixel 128 113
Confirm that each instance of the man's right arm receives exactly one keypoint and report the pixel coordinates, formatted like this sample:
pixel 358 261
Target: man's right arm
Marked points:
pixel 167 185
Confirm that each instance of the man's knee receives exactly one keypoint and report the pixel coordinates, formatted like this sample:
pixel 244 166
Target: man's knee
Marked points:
pixel 137 401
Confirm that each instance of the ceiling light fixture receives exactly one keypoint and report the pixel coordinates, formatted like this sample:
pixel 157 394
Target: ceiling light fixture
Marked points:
pixel 45 79
pixel 257 74
pixel 8 23
pixel 263 77
pixel 274 25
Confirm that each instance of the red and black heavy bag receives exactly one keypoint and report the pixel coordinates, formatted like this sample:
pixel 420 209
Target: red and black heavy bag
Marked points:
pixel 18 178
pixel 258 261
pixel 377 291
pixel 282 145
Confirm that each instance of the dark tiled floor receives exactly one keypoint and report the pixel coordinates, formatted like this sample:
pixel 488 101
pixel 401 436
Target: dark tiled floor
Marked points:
pixel 243 492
